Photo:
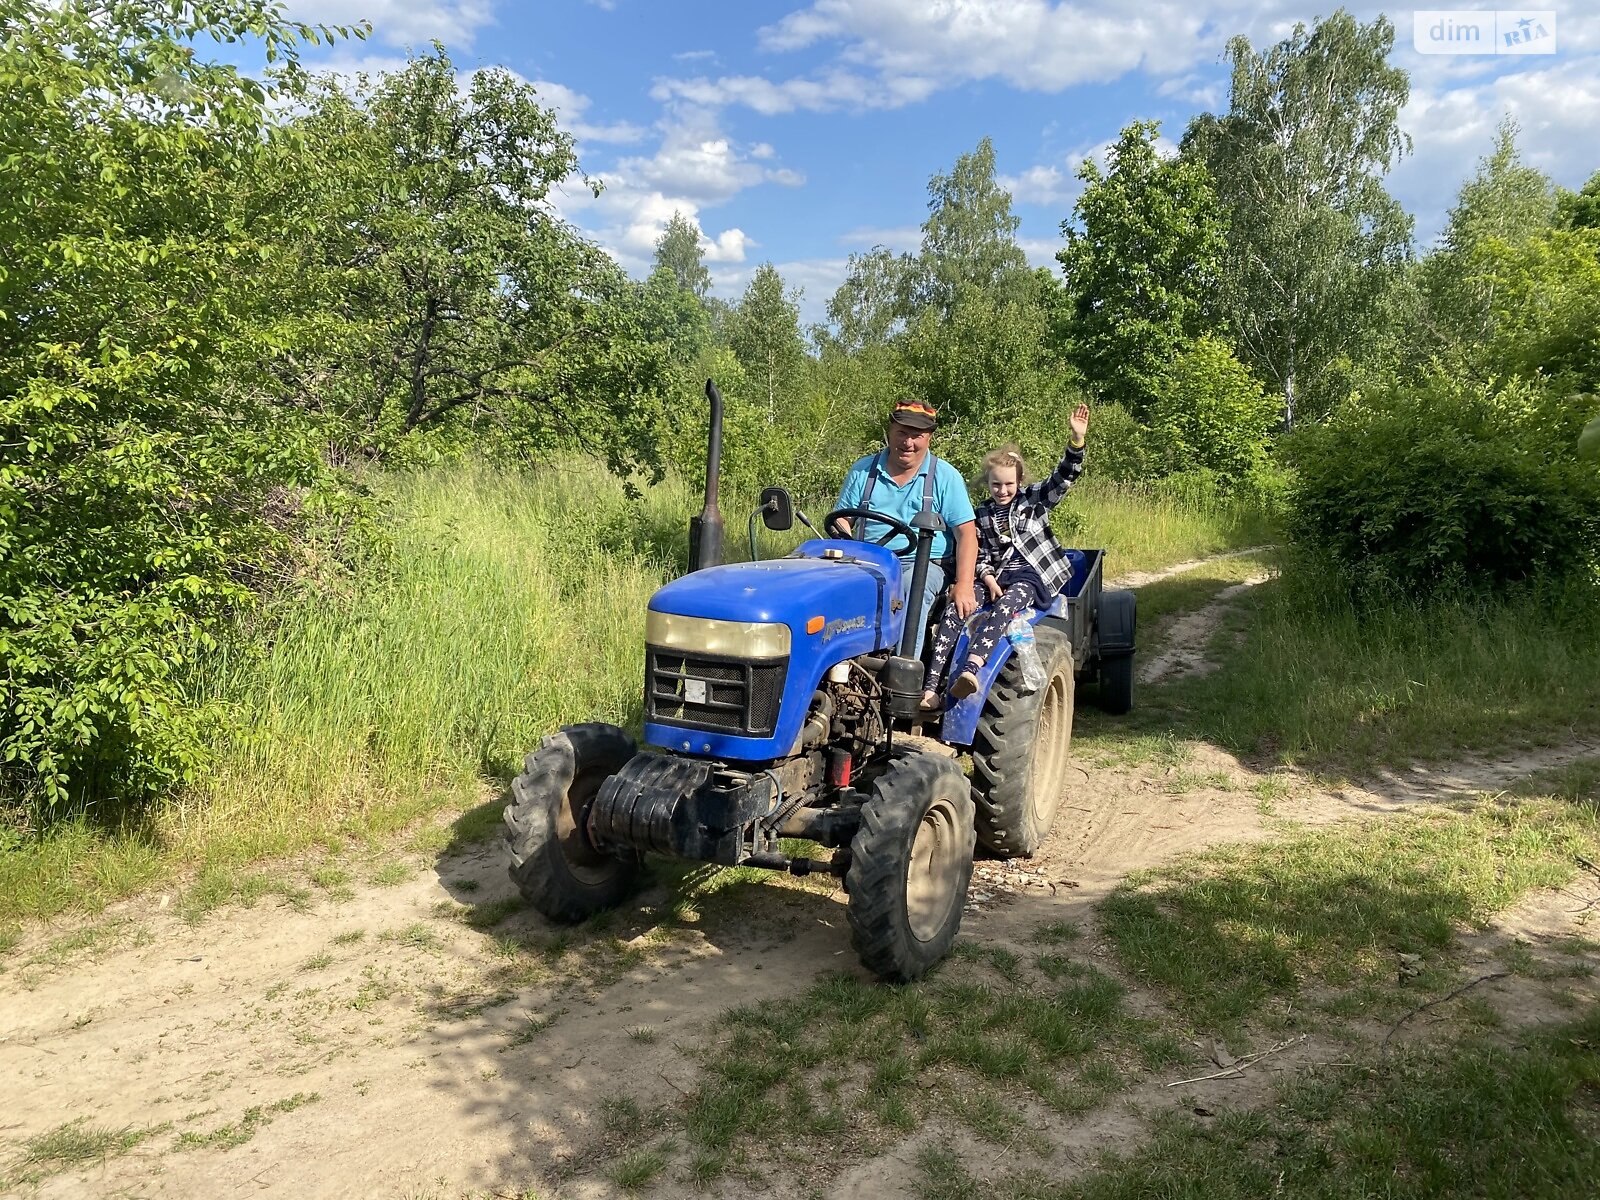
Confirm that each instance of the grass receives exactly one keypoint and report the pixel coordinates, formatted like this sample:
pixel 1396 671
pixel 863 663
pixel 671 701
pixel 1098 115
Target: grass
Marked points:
pixel 75 1143
pixel 1235 933
pixel 1143 529
pixel 1320 683
pixel 408 688
pixel 255 1118
pixel 417 684
pixel 1473 1119
pixel 853 1065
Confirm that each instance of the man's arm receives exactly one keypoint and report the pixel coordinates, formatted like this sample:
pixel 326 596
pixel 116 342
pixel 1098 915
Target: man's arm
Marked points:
pixel 966 558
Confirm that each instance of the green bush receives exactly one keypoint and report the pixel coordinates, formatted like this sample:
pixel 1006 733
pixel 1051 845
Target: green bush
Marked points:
pixel 1120 445
pixel 142 499
pixel 1447 486
pixel 1212 414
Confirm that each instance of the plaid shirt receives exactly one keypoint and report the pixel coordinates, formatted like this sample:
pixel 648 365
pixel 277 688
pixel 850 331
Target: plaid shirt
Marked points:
pixel 1030 526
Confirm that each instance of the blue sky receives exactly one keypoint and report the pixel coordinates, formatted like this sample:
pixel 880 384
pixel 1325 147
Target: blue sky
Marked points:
pixel 799 133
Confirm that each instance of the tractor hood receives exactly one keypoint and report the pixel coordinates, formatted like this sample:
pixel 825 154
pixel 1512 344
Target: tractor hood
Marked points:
pixel 735 652
pixel 792 591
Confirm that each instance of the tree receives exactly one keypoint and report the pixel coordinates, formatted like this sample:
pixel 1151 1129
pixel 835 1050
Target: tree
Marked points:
pixel 1142 273
pixel 764 332
pixel 678 250
pixel 1543 313
pixel 1505 201
pixel 869 308
pixel 474 311
pixel 1212 413
pixel 969 240
pixel 1580 209
pixel 1315 245
pixel 133 483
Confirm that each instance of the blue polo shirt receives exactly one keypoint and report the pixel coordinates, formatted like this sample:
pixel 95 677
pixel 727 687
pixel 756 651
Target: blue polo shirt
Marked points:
pixel 950 500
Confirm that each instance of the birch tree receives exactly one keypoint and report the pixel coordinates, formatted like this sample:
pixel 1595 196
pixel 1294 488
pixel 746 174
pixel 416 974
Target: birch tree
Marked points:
pixel 1315 244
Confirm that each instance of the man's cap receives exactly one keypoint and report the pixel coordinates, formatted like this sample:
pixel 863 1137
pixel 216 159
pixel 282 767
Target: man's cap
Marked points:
pixel 915 413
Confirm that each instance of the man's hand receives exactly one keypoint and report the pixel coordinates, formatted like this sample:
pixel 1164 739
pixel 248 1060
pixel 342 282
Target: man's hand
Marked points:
pixel 966 603
pixel 1080 424
pixel 993 586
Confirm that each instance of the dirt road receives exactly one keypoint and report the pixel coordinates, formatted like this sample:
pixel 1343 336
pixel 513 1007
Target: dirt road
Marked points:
pixel 401 1040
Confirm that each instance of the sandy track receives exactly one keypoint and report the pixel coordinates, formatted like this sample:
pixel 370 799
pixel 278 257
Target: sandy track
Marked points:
pixel 414 1041
pixel 378 1045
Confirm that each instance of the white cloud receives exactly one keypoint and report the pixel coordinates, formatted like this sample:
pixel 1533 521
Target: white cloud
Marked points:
pixel 1556 104
pixel 696 166
pixel 730 246
pixel 694 55
pixel 833 91
pixel 1193 88
pixel 1057 183
pixel 1041 252
pixel 892 52
pixel 900 237
pixel 412 23
pixel 571 106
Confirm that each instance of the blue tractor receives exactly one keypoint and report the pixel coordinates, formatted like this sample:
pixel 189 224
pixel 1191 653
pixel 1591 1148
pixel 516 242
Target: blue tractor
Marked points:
pixel 778 699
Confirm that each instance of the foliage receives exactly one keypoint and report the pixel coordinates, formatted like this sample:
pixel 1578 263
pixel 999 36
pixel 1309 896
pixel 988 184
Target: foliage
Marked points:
pixel 1543 305
pixel 678 251
pixel 473 311
pixel 969 241
pixel 1315 245
pixel 1580 209
pixel 1122 450
pixel 140 499
pixel 1143 272
pixel 869 307
pixel 1505 203
pixel 982 367
pixel 1448 485
pixel 1211 413
pixel 764 332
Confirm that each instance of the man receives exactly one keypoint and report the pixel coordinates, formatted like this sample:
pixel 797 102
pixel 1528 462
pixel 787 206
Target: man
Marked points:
pixel 895 481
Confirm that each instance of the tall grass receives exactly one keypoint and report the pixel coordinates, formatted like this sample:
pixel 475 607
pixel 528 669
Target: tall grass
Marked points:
pixel 504 606
pixel 1145 528
pixel 1324 682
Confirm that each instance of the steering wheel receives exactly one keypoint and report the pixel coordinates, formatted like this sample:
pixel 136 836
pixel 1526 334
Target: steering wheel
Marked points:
pixel 897 527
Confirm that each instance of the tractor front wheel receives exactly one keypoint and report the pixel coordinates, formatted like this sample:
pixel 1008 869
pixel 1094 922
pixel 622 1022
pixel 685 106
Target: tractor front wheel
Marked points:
pixel 553 864
pixel 910 865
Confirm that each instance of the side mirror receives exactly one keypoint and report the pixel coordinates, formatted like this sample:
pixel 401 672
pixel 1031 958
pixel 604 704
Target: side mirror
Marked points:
pixel 777 510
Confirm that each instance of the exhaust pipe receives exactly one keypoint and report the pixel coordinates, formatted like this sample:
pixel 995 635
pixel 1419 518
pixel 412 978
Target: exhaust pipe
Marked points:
pixel 705 531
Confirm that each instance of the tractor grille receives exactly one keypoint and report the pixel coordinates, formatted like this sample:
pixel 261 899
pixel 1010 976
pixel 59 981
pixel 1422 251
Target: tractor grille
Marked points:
pixel 702 691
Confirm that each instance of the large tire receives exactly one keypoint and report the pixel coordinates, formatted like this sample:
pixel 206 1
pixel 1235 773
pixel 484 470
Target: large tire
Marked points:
pixel 552 862
pixel 1019 754
pixel 1116 685
pixel 910 865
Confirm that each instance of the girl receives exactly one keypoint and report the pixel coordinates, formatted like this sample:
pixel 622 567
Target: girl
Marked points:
pixel 1019 560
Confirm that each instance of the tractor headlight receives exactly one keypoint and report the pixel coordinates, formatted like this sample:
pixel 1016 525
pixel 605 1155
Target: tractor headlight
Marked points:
pixel 729 639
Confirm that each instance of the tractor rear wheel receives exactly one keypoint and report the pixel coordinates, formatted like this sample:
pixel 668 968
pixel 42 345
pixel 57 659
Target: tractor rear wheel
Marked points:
pixel 1019 755
pixel 910 865
pixel 553 864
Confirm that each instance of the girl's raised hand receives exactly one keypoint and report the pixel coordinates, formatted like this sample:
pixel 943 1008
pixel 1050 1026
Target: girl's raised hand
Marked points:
pixel 1080 422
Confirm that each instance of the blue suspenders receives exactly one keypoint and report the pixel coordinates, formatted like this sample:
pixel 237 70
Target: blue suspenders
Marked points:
pixel 872 482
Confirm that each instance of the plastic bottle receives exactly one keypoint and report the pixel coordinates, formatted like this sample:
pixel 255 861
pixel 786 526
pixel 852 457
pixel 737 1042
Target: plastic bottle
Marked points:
pixel 1020 634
